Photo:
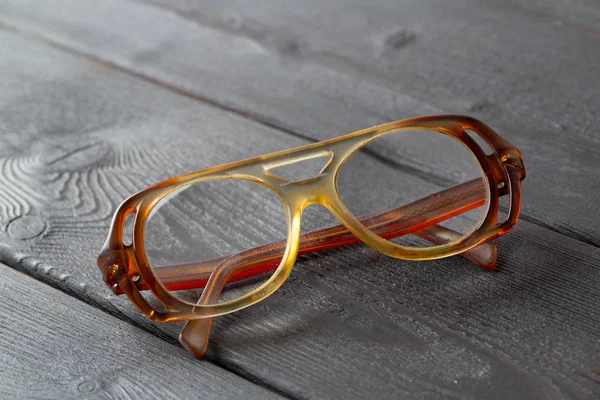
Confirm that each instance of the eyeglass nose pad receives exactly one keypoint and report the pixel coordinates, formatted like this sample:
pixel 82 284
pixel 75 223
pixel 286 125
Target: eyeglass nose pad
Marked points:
pixel 194 336
pixel 484 255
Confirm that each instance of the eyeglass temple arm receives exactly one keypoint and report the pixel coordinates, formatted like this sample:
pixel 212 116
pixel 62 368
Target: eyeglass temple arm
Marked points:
pixel 418 218
pixel 195 334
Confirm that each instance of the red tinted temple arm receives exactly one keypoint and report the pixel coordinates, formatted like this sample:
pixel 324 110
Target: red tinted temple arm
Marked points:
pixel 418 218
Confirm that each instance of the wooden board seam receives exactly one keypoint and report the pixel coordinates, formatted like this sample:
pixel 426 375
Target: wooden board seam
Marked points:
pixel 13 263
pixel 269 122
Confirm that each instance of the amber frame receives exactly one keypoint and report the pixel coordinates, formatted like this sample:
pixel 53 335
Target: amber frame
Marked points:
pixel 126 269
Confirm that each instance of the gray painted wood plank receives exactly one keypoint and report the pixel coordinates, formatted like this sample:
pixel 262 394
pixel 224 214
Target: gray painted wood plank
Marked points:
pixel 578 17
pixel 79 137
pixel 57 347
pixel 331 72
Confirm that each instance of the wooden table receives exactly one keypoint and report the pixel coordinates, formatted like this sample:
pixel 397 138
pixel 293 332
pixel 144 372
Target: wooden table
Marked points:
pixel 101 99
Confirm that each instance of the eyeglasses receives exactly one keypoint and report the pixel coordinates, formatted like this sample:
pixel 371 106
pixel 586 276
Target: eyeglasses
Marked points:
pixel 218 240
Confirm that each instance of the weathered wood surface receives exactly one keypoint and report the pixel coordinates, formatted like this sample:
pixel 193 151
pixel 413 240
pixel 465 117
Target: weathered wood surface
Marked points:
pixel 333 68
pixel 57 347
pixel 79 136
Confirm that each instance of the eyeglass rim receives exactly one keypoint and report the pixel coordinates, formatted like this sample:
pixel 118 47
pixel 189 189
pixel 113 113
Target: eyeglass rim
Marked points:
pixel 495 168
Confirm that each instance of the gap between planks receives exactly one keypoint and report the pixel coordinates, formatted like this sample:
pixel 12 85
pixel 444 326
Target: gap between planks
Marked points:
pixel 94 355
pixel 116 313
pixel 269 122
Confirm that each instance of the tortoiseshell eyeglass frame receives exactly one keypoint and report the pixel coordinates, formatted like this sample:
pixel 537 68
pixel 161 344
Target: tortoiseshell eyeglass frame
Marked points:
pixel 126 268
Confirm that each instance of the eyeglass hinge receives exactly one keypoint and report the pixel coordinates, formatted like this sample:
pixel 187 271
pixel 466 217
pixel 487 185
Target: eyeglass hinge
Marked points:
pixel 512 159
pixel 111 265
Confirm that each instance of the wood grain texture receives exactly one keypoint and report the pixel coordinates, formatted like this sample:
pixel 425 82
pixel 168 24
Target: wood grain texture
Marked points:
pixel 334 68
pixel 578 17
pixel 80 136
pixel 57 347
